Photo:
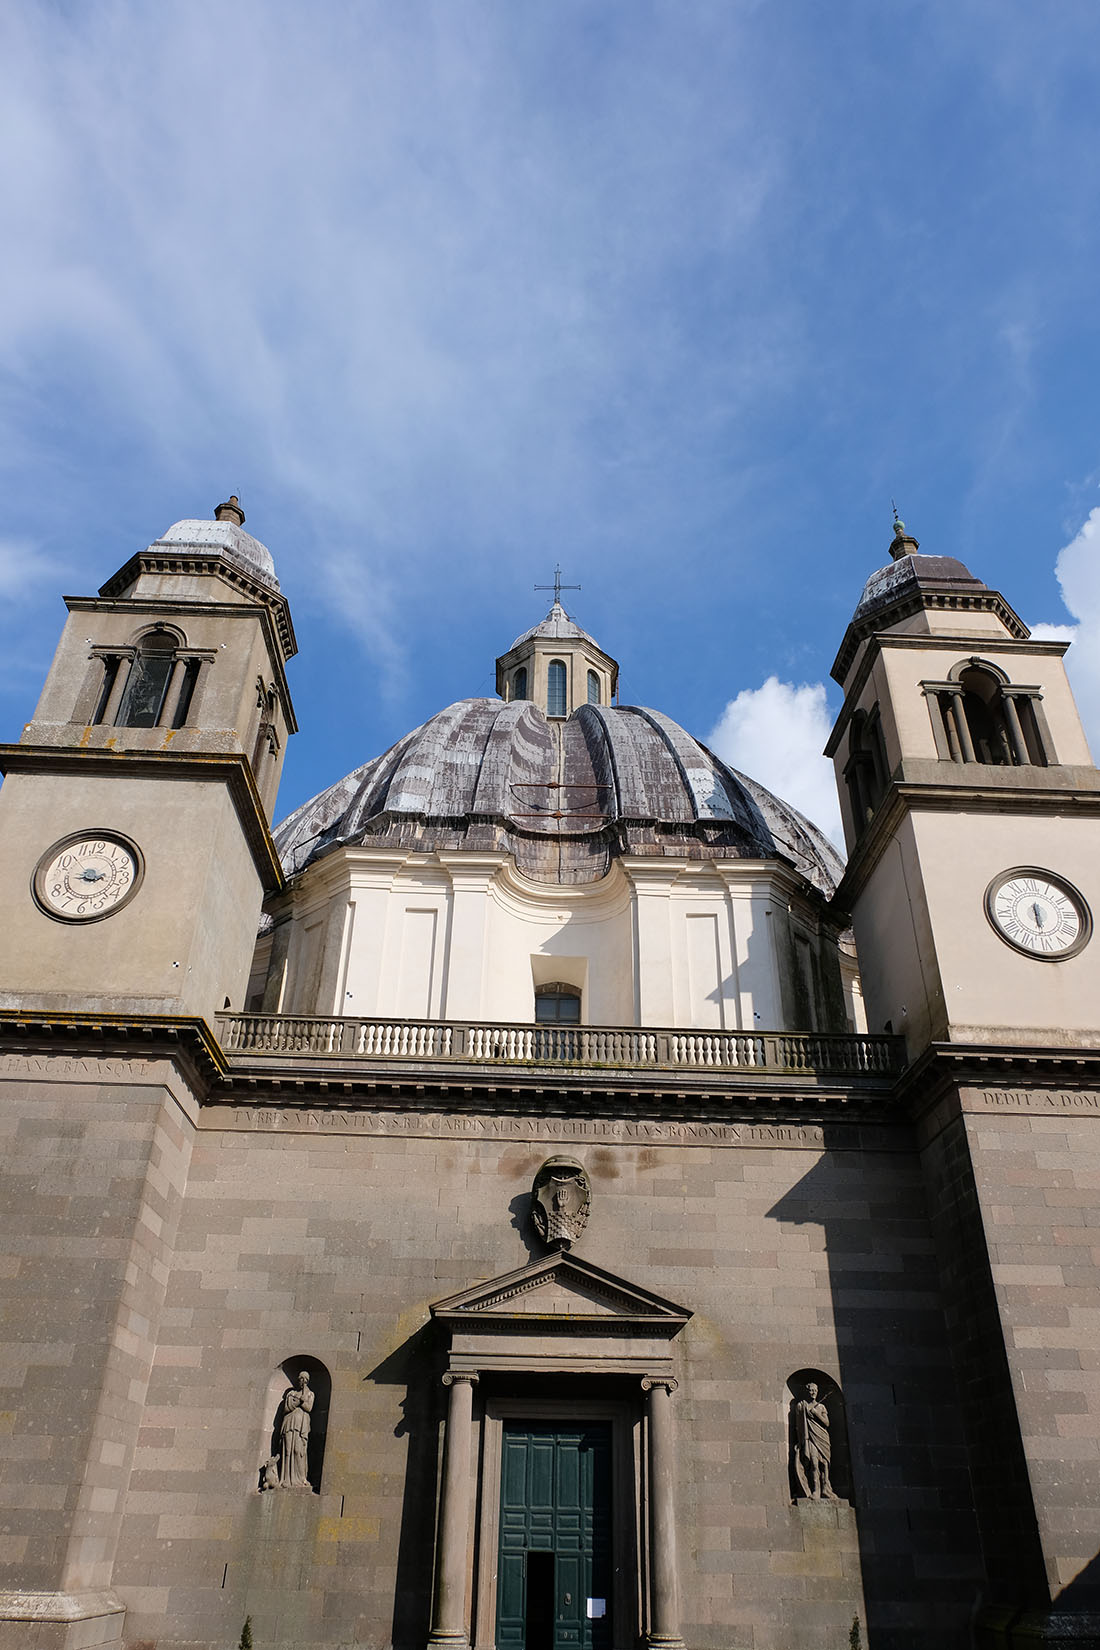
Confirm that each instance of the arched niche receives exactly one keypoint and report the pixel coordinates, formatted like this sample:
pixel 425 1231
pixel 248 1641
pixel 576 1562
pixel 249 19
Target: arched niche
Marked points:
pixel 840 1464
pixel 284 1381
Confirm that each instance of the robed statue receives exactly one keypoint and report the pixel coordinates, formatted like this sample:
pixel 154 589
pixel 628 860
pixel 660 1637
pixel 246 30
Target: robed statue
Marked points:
pixel 294 1436
pixel 812 1446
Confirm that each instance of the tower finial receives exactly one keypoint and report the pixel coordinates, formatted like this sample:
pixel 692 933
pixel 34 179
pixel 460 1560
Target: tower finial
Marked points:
pixel 230 511
pixel 902 544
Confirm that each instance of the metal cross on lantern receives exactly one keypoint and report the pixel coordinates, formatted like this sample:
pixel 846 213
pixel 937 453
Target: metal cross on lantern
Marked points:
pixel 557 587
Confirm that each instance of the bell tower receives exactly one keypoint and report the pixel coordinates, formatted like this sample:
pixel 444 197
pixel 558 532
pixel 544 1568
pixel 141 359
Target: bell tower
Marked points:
pixel 970 810
pixel 972 816
pixel 137 803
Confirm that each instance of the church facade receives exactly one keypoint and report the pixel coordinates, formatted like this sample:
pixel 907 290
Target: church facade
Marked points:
pixel 538 1196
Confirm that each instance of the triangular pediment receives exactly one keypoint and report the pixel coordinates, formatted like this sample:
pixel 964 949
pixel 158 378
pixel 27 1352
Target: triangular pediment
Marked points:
pixel 561 1287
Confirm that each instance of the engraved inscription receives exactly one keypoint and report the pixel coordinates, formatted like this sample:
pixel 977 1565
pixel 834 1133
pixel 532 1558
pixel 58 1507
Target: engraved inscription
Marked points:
pixel 1032 1100
pixel 598 1130
pixel 63 1065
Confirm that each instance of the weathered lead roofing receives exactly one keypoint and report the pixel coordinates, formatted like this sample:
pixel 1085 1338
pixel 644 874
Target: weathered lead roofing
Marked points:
pixel 912 582
pixel 564 797
pixel 559 627
pixel 227 538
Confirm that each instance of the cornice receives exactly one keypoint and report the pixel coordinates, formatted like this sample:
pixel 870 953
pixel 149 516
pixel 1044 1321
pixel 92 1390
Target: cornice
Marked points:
pixel 973 794
pixel 184 1038
pixel 943 1066
pixel 210 564
pixel 228 769
pixel 297 1082
pixel 880 641
pixel 943 597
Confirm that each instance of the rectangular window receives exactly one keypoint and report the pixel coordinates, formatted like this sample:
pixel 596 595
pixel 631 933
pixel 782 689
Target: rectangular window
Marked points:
pixel 144 697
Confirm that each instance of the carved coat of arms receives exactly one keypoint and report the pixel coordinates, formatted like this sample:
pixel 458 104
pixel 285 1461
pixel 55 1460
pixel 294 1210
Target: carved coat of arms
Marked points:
pixel 560 1199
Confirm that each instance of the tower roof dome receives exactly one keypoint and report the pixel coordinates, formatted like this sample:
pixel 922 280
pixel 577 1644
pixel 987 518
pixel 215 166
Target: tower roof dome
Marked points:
pixel 564 796
pixel 224 537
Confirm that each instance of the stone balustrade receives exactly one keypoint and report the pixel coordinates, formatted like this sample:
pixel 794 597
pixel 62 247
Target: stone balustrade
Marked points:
pixel 630 1047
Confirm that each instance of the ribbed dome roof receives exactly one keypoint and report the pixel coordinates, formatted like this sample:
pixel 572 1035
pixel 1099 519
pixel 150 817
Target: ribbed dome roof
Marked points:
pixel 563 797
pixel 559 627
pixel 226 538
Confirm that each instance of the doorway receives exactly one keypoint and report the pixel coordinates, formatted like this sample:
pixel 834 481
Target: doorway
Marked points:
pixel 554 1565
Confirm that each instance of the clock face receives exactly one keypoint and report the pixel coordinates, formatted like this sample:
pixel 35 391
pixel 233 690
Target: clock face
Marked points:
pixel 1038 913
pixel 87 876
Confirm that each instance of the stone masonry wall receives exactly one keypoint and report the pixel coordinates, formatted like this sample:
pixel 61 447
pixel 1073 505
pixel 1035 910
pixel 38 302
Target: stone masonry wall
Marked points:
pixel 93 1163
pixel 1036 1172
pixel 328 1236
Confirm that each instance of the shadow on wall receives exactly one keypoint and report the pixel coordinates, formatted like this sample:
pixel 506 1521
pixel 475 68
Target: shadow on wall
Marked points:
pixel 415 1369
pixel 918 1541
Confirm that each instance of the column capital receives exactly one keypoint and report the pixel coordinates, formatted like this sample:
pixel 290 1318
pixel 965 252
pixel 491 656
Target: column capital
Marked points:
pixel 668 1382
pixel 453 1375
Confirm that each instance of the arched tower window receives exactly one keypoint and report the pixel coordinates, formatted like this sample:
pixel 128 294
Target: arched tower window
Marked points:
pixel 150 684
pixel 979 716
pixel 143 699
pixel 556 688
pixel 519 683
pixel 593 688
pixel 866 773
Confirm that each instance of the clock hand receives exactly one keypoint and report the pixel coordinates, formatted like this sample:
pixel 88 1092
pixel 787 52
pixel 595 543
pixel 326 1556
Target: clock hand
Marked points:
pixel 1038 915
pixel 89 875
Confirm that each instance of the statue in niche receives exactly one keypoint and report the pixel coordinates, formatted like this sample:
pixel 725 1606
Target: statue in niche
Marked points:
pixel 560 1200
pixel 813 1445
pixel 294 1436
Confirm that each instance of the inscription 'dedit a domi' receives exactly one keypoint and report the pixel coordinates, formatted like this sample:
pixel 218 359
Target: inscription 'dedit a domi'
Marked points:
pixel 1032 1100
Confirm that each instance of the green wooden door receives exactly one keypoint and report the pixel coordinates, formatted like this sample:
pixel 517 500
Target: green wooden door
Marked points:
pixel 554 1588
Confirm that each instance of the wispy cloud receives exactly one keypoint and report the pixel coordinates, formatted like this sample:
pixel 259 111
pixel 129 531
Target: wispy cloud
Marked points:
pixel 368 253
pixel 27 572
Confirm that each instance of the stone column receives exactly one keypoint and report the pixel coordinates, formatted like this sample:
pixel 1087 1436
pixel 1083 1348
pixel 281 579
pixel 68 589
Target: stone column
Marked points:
pixel 449 1610
pixel 1015 731
pixel 170 702
pixel 114 698
pixel 664 1602
pixel 962 726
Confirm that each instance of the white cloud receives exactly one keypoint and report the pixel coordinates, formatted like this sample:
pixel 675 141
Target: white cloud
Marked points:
pixel 776 734
pixel 1078 569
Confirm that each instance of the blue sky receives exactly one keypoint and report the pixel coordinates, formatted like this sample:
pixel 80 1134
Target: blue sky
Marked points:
pixel 679 294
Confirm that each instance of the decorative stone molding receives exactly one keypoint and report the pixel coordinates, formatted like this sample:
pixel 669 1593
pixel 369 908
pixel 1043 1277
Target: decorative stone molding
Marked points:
pixel 59 1607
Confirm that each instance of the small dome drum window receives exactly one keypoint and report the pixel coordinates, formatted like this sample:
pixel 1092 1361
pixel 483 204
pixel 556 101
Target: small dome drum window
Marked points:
pixel 519 683
pixel 593 688
pixel 555 688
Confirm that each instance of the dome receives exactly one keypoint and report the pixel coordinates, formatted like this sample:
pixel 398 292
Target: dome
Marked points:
pixel 564 797
pixel 226 538
pixel 557 626
pixel 910 574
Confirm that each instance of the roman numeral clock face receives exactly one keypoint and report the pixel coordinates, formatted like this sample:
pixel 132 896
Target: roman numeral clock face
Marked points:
pixel 1038 913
